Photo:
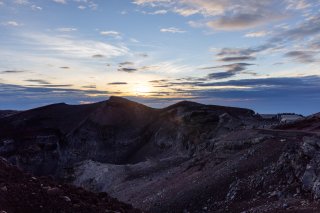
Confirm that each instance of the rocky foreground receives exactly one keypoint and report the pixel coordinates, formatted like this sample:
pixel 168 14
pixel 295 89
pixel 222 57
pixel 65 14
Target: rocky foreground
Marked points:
pixel 20 192
pixel 187 157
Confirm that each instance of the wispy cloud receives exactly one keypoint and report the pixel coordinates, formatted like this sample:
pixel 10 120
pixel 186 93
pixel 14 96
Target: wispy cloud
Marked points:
pixel 242 21
pixel 73 47
pixel 126 63
pixel 60 1
pixel 65 67
pixel 126 69
pixel 237 58
pixel 223 14
pixel 11 24
pixel 38 81
pixel 98 56
pixel 114 34
pixel 172 30
pixel 12 71
pixel 256 34
pixel 21 2
pixel 302 56
pixel 118 83
pixel 229 70
pixel 35 7
pixel 159 12
pixel 66 29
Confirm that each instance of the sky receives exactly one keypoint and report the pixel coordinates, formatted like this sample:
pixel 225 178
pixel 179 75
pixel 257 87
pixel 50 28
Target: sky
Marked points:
pixel 263 55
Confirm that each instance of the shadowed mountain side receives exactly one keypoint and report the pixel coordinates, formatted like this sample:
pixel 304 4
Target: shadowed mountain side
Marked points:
pixel 114 131
pixel 187 157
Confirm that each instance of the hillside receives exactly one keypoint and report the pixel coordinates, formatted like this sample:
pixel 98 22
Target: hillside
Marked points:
pixel 187 157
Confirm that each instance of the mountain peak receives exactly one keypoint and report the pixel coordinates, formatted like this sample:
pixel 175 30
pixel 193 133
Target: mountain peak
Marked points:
pixel 118 99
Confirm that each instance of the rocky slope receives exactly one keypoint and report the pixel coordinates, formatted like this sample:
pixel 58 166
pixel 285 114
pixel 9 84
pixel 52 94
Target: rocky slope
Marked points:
pixel 6 113
pixel 187 157
pixel 49 140
pixel 310 123
pixel 23 193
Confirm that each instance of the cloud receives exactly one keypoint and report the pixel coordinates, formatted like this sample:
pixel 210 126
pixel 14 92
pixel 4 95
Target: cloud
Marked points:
pixel 172 30
pixel 284 82
pixel 72 47
pixel 305 32
pixel 11 24
pixel 256 34
pixel 309 27
pixel 128 70
pixel 35 7
pixel 57 85
pixel 229 70
pixel 39 81
pixel 302 56
pixel 266 95
pixel 242 21
pixel 60 1
pixel 98 56
pixel 159 12
pixel 152 2
pixel 128 66
pixel 14 96
pixel 114 34
pixel 223 14
pixel 237 58
pixel 67 29
pixel 126 63
pixel 159 81
pixel 84 4
pixel 21 2
pixel 90 87
pixel 143 55
pixel 12 72
pixel 226 54
pixel 221 75
pixel 118 83
pixel 298 4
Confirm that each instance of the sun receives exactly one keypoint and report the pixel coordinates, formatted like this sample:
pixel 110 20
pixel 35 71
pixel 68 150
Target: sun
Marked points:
pixel 142 89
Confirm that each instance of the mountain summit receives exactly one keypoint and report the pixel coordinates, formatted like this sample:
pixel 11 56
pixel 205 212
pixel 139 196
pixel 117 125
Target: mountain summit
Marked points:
pixel 185 157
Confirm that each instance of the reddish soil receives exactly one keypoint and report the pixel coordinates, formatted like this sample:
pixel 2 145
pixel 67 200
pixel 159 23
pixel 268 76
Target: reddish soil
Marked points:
pixel 23 193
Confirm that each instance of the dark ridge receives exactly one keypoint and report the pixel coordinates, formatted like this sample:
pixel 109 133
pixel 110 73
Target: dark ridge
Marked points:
pixel 125 102
pixel 184 104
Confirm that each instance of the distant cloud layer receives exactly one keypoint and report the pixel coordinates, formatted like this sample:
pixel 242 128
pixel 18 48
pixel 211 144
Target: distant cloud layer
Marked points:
pixel 259 93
